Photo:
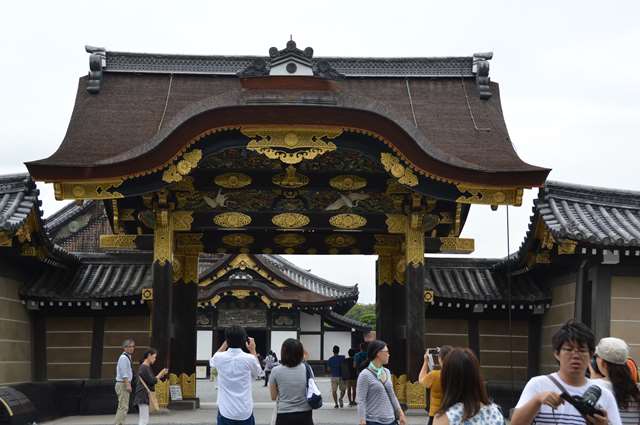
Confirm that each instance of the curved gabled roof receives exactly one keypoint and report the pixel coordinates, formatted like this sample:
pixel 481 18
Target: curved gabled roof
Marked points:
pixel 18 198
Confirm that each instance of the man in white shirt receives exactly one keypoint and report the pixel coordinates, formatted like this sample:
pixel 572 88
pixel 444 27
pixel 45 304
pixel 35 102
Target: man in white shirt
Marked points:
pixel 540 402
pixel 124 378
pixel 236 372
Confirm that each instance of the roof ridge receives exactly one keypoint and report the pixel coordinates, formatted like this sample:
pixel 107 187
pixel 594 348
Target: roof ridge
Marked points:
pixel 308 273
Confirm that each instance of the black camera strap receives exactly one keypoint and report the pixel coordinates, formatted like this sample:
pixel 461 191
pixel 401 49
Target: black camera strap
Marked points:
pixel 558 384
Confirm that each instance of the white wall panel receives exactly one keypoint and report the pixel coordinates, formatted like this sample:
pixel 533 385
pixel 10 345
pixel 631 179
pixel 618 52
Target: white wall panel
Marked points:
pixel 310 322
pixel 312 343
pixel 341 339
pixel 205 345
pixel 278 337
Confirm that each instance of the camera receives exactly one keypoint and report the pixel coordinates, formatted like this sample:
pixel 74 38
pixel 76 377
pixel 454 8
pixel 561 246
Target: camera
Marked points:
pixel 585 404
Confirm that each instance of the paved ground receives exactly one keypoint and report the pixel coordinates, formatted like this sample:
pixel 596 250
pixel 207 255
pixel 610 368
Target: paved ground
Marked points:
pixel 263 410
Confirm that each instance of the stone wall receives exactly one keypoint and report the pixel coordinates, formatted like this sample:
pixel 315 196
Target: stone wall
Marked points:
pixel 625 311
pixel 69 340
pixel 116 330
pixel 563 295
pixel 15 334
pixel 503 354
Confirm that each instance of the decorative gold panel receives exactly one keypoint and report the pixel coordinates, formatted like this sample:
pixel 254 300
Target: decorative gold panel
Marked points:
pixel 182 221
pixel 189 161
pixel 24 232
pixel 348 182
pixel 291 145
pixel 400 387
pixel 453 245
pixel 396 223
pixel 289 240
pixel 567 247
pixel 339 241
pixel 232 180
pixel 190 273
pixel 414 242
pixel 238 239
pixel 290 179
pixel 232 220
pixel 5 239
pixel 429 296
pixel 118 241
pixel 393 166
pixel 290 220
pixel 348 221
pixel 416 396
pixel 147 294
pixel 189 243
pixel 163 238
pixel 127 214
pixel 241 293
pixel 162 392
pixel 88 190
pixel 177 268
pixel 188 384
pixel 489 195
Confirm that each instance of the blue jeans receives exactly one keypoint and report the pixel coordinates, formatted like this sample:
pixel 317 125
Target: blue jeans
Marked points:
pixel 224 421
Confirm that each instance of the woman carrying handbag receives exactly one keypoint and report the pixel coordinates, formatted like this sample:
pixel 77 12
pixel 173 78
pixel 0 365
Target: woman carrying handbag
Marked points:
pixel 145 392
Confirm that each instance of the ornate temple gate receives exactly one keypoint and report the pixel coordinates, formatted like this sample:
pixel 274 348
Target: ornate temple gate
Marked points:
pixel 299 163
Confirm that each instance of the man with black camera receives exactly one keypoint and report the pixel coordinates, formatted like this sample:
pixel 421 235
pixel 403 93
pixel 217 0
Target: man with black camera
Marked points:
pixel 567 397
pixel 236 372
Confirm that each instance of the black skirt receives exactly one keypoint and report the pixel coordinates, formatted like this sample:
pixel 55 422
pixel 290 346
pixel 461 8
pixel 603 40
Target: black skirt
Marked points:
pixel 295 418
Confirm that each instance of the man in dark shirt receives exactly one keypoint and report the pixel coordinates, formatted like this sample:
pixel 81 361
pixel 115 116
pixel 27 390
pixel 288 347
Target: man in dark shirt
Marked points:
pixel 360 357
pixel 349 376
pixel 335 366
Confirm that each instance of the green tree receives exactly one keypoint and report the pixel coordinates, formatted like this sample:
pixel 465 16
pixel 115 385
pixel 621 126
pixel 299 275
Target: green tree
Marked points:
pixel 365 313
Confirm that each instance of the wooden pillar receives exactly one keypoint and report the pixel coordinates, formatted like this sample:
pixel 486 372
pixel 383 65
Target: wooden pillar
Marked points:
pixel 97 345
pixel 184 311
pixel 600 277
pixel 534 342
pixel 473 325
pixel 414 294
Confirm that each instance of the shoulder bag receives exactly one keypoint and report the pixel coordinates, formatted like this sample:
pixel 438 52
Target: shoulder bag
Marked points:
pixel 314 397
pixel 154 406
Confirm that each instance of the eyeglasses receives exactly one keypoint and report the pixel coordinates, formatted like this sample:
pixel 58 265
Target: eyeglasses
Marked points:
pixel 384 351
pixel 582 351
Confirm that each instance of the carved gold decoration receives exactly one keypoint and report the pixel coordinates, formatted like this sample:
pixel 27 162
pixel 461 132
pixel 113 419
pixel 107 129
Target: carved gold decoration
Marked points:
pixel 184 185
pixel 87 190
pixel 5 239
pixel 400 387
pixel 189 161
pixel 457 225
pixel 347 221
pixel 396 223
pixel 393 166
pixel 118 241
pixel 543 257
pixel 189 243
pixel 429 296
pixel 416 396
pixel 238 239
pixel 27 250
pixel 232 180
pixel 174 379
pixel 147 294
pixel 567 247
pixel 489 195
pixel 453 245
pixel 241 293
pixel 182 220
pixel 162 392
pixel 127 214
pixel 188 384
pixel 348 182
pixel 233 220
pixel 290 220
pixel 388 249
pixel 430 221
pixel 176 269
pixel 290 179
pixel 24 232
pixel 242 262
pixel 163 238
pixel 285 305
pixel 339 241
pixel 289 240
pixel 190 266
pixel 265 300
pixel 291 145
pixel 215 300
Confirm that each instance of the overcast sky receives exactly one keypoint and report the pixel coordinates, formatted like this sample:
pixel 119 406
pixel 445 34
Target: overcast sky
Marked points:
pixel 569 72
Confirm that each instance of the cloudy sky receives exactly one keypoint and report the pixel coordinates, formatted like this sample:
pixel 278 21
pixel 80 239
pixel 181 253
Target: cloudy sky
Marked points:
pixel 568 70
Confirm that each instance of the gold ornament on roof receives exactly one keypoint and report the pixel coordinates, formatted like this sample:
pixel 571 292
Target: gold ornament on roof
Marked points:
pixel 182 220
pixel 393 166
pixel 189 161
pixel 290 220
pixel 290 179
pixel 473 194
pixel 232 220
pixel 289 240
pixel 348 182
pixel 100 190
pixel 118 241
pixel 454 245
pixel 232 180
pixel 339 241
pixel 291 145
pixel 238 239
pixel 347 221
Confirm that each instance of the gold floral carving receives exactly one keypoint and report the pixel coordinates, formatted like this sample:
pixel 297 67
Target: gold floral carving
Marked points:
pixel 388 249
pixel 189 243
pixel 473 194
pixel 454 245
pixel 188 384
pixel 147 294
pixel 176 172
pixel 163 238
pixel 416 396
pixel 290 220
pixel 396 223
pixel 347 221
pixel 289 240
pixel 174 379
pixel 5 239
pixel 291 145
pixel 393 166
pixel 184 185
pixel 238 239
pixel 176 269
pixel 232 180
pixel 182 220
pixel 567 247
pixel 88 190
pixel 162 392
pixel 190 266
pixel 414 240
pixel 400 387
pixel 290 179
pixel 241 293
pixel 339 241
pixel 429 296
pixel 348 182
pixel 118 241
pixel 232 220
pixel 24 232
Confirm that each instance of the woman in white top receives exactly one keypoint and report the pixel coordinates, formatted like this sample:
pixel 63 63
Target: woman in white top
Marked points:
pixel 612 373
pixel 465 399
